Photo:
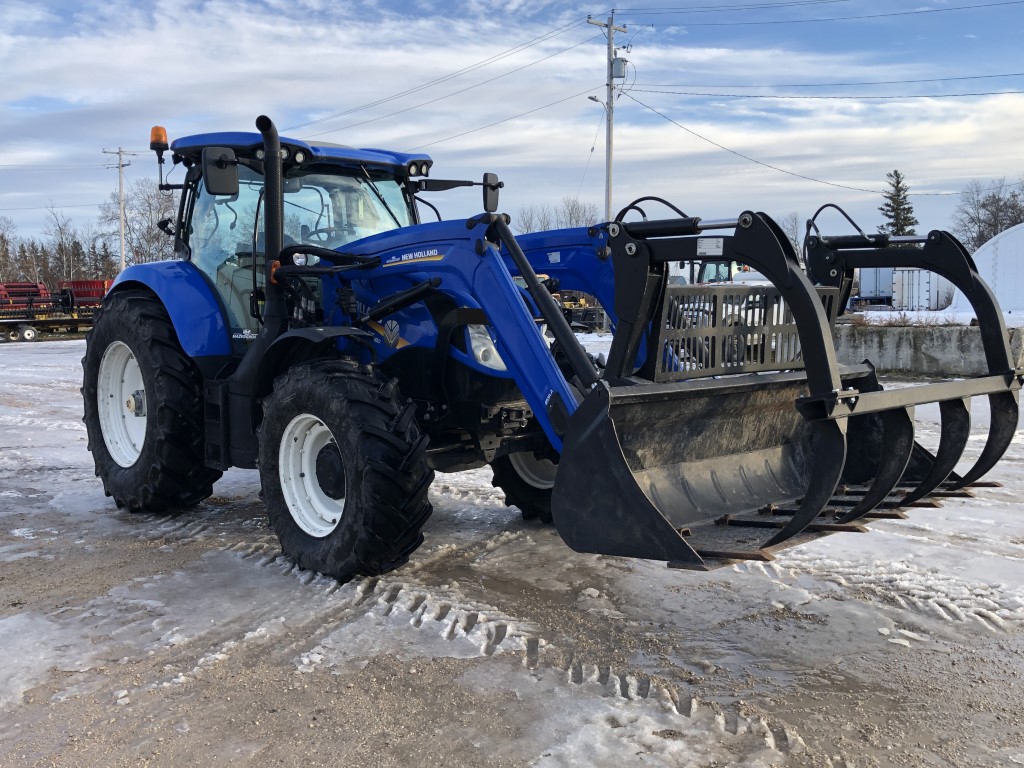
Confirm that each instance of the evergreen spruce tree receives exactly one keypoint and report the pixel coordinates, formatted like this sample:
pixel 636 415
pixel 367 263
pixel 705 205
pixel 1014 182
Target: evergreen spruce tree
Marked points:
pixel 897 208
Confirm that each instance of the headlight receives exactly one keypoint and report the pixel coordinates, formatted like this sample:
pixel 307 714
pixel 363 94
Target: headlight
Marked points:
pixel 484 351
pixel 414 169
pixel 299 259
pixel 300 156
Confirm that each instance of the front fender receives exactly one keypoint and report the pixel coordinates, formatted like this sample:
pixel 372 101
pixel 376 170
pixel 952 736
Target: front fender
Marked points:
pixel 192 304
pixel 301 344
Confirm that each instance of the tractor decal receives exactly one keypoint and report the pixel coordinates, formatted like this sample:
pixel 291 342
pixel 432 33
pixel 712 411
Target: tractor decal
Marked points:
pixel 430 254
pixel 390 332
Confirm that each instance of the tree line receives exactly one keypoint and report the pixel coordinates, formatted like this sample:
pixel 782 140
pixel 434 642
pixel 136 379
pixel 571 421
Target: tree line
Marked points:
pixel 64 251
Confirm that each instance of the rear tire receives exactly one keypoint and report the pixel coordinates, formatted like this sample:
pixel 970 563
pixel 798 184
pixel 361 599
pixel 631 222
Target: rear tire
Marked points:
pixel 28 333
pixel 527 482
pixel 13 334
pixel 144 408
pixel 344 471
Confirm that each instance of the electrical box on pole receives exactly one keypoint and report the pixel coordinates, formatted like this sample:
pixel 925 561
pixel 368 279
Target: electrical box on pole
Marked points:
pixel 619 67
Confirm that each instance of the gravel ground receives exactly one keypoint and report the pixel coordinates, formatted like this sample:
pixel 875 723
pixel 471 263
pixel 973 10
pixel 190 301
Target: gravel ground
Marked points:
pixel 189 639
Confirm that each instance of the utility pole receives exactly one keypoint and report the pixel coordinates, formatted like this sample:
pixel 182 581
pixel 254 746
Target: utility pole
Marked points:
pixel 121 164
pixel 615 70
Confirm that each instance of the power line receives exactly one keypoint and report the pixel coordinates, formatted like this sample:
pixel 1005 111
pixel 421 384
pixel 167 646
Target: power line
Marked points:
pixel 748 157
pixel 51 167
pixel 775 167
pixel 55 207
pixel 830 18
pixel 835 97
pixel 507 119
pixel 831 85
pixel 590 156
pixel 453 93
pixel 736 7
pixel 450 76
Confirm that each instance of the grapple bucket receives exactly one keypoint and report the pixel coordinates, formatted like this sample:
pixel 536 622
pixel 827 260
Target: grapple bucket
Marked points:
pixel 684 474
pixel 725 429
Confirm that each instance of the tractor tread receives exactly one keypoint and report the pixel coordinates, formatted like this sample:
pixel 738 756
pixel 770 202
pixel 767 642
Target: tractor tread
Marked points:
pixel 170 472
pixel 386 500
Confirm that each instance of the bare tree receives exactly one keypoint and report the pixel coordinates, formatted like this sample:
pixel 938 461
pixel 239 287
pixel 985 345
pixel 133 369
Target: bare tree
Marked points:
pixel 66 253
pixel 8 249
pixel 790 224
pixel 986 209
pixel 571 212
pixel 574 213
pixel 533 218
pixel 144 206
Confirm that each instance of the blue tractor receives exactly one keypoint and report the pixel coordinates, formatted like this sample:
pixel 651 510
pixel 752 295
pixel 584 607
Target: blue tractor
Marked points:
pixel 314 327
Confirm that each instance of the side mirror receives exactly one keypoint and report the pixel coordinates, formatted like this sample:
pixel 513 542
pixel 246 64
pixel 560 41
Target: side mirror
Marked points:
pixel 491 186
pixel 220 171
pixel 166 226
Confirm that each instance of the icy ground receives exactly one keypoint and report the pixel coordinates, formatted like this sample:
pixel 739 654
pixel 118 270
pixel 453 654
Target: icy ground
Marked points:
pixel 189 640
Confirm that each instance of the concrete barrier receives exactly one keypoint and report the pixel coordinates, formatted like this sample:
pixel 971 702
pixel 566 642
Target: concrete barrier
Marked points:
pixel 928 350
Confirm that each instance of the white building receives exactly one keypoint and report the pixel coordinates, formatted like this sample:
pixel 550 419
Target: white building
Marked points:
pixel 1000 263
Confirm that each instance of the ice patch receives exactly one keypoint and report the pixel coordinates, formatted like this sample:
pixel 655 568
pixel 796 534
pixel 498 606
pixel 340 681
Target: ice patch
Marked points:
pixel 32 646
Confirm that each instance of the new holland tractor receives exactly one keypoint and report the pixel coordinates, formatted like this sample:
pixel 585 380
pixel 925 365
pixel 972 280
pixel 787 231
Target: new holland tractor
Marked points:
pixel 315 327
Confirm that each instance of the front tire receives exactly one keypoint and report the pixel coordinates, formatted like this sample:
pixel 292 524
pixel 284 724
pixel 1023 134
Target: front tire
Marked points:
pixel 344 471
pixel 144 408
pixel 527 481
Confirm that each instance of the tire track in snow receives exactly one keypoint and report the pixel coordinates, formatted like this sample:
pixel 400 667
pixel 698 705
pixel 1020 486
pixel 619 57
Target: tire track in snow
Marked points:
pixel 991 607
pixel 489 632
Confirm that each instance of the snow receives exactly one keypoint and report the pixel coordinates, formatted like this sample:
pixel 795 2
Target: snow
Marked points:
pixel 496 595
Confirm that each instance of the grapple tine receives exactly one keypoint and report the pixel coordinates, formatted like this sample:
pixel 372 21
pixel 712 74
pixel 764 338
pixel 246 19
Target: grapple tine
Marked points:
pixel 829 441
pixel 956 428
pixel 897 443
pixel 1004 414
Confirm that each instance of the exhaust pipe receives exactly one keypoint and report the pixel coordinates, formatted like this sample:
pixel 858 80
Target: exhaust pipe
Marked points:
pixel 273 220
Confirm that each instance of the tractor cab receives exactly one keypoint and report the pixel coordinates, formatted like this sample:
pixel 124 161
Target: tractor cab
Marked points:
pixel 333 195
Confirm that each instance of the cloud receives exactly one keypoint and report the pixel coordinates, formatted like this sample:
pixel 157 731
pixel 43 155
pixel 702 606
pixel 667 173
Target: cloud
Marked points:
pixel 87 76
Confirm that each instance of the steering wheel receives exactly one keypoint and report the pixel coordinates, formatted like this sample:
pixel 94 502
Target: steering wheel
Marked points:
pixel 325 233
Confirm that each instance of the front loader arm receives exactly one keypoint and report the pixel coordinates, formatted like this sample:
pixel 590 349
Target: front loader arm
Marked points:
pixel 520 340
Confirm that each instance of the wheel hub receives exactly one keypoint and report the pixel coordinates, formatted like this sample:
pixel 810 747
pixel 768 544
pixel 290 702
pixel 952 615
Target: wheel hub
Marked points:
pixel 121 403
pixel 539 473
pixel 312 475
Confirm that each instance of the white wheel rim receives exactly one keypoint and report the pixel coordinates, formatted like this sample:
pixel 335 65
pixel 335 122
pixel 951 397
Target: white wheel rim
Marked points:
pixel 311 508
pixel 538 473
pixel 29 334
pixel 121 402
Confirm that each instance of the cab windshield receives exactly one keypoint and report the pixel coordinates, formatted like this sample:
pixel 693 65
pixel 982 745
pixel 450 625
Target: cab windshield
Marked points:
pixel 329 208
pixel 326 209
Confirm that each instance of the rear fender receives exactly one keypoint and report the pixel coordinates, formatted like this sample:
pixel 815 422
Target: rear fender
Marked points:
pixel 192 304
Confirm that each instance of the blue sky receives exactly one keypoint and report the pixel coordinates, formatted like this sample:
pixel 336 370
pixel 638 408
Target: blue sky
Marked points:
pixel 502 86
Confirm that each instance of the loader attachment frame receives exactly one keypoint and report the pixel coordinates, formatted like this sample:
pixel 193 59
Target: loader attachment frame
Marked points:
pixel 723 411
